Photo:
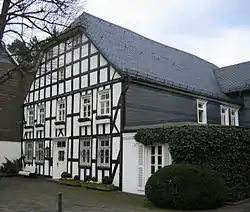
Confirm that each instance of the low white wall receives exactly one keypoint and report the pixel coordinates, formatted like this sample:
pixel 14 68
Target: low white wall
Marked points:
pixel 9 149
pixel 130 164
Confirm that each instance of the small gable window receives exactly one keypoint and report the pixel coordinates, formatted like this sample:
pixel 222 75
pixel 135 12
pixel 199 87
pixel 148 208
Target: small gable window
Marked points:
pixel 202 111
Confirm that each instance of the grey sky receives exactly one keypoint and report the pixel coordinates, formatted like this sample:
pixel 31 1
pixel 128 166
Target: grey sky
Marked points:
pixel 216 30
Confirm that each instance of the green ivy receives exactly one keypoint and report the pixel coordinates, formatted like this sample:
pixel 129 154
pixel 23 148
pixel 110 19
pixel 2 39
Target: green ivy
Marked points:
pixel 223 148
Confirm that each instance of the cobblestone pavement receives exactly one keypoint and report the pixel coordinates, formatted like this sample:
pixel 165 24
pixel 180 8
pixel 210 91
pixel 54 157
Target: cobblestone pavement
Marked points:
pixel 19 194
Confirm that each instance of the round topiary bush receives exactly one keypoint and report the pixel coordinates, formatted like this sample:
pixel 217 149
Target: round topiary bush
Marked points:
pixel 186 187
pixel 107 180
pixel 87 178
pixel 64 175
pixel 76 177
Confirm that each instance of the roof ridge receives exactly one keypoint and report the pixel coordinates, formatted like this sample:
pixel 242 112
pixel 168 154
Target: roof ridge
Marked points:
pixel 150 39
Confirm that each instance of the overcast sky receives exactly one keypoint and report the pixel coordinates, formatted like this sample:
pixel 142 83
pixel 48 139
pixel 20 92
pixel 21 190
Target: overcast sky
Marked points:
pixel 216 30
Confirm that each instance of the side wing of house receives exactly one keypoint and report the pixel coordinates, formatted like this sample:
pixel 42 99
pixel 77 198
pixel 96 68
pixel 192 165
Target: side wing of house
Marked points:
pixel 148 107
pixel 73 113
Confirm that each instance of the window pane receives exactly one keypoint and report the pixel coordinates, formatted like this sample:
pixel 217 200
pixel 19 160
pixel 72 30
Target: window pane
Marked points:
pixel 200 116
pixel 159 150
pixel 152 169
pixel 159 160
pixel 152 160
pixel 152 150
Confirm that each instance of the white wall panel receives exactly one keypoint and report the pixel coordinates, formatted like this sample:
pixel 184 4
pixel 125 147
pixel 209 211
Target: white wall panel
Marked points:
pixel 76 148
pixel 103 75
pixel 68 71
pixel 54 90
pixel 61 88
pixel 54 63
pixel 68 127
pixel 84 81
pixel 76 68
pixel 85 50
pixel 84 65
pixel 68 86
pixel 69 104
pixel 103 62
pixel 76 103
pixel 76 85
pixel 93 62
pixel 68 57
pixel 61 60
pixel 76 54
pixel 93 78
pixel 92 49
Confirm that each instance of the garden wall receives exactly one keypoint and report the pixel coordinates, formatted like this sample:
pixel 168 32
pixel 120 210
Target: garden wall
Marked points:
pixel 9 149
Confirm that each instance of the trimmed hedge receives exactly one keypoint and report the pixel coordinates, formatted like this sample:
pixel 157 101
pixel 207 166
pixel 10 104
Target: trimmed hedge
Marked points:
pixel 186 187
pixel 223 148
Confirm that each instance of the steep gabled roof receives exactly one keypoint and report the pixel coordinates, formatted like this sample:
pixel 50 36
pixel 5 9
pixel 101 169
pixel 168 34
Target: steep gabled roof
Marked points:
pixel 135 54
pixel 234 78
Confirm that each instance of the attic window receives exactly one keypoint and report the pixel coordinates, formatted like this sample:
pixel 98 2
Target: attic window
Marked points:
pixel 234 117
pixel 202 111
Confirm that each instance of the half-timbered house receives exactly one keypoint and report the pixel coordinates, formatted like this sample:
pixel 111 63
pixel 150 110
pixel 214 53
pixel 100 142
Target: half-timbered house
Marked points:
pixel 98 83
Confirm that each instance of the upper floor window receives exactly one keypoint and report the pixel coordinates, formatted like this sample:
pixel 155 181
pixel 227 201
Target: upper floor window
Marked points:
pixel 61 74
pixel 41 114
pixel 224 115
pixel 30 116
pixel 86 106
pixel 104 103
pixel 234 117
pixel 202 111
pixel 103 154
pixel 61 106
pixel 85 151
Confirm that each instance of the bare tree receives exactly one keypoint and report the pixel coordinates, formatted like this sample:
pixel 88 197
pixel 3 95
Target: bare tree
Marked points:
pixel 44 16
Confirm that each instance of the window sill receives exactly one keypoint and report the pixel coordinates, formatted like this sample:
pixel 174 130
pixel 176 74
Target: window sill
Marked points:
pixel 102 117
pixel 39 125
pixel 103 167
pixel 28 127
pixel 39 162
pixel 85 166
pixel 28 162
pixel 84 119
pixel 60 123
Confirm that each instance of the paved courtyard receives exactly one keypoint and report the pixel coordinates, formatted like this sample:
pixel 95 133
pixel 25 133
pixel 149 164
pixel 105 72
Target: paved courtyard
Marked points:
pixel 38 195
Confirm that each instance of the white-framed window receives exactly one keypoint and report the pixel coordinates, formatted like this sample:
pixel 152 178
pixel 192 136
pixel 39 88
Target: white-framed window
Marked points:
pixel 61 74
pixel 104 102
pixel 202 111
pixel 86 106
pixel 41 114
pixel 234 114
pixel 30 115
pixel 103 154
pixel 28 151
pixel 85 151
pixel 156 158
pixel 61 106
pixel 39 151
pixel 224 111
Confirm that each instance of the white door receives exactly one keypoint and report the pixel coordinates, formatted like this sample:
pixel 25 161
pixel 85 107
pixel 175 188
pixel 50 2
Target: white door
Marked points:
pixel 59 158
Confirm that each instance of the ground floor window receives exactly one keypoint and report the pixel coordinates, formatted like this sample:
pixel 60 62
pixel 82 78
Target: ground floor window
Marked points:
pixel 28 151
pixel 103 153
pixel 150 159
pixel 39 151
pixel 85 151
pixel 156 158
